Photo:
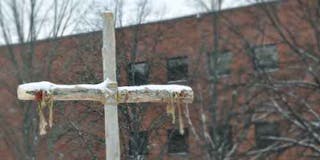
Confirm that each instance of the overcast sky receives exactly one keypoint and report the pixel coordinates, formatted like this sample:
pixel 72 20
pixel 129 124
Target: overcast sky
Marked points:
pixel 177 8
pixel 167 9
pixel 87 17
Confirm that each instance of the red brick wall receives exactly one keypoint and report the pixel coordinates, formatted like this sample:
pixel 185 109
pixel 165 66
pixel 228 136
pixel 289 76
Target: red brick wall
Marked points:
pixel 191 36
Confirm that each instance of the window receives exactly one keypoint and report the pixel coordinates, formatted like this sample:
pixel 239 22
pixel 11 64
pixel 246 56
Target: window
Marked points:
pixel 177 69
pixel 266 58
pixel 220 63
pixel 177 143
pixel 263 130
pixel 138 73
pixel 222 137
pixel 138 143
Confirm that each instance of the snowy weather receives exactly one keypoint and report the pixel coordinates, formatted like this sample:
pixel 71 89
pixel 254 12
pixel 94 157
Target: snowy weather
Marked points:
pixel 159 80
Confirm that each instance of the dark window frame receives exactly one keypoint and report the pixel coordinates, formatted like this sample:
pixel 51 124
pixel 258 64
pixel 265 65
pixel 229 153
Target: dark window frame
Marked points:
pixel 144 149
pixel 222 72
pixel 171 73
pixel 220 130
pixel 260 138
pixel 145 79
pixel 267 66
pixel 177 143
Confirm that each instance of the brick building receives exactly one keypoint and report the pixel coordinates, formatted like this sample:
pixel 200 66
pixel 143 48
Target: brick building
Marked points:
pixel 240 62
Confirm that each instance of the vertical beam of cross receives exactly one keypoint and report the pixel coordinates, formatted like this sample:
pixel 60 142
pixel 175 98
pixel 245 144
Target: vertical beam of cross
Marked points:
pixel 109 72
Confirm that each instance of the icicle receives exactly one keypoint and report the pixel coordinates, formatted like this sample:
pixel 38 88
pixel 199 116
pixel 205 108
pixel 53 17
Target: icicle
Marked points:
pixel 181 125
pixel 171 111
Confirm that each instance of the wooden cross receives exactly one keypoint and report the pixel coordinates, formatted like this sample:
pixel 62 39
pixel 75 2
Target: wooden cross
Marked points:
pixel 108 92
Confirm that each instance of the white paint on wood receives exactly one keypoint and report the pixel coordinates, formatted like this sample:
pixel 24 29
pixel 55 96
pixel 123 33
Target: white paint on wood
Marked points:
pixel 93 92
pixel 109 71
pixel 105 91
pixel 155 93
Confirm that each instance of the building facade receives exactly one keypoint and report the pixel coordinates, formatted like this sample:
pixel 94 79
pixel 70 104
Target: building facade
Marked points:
pixel 254 71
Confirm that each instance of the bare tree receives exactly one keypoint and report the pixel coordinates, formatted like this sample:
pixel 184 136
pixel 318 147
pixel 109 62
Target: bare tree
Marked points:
pixel 22 24
pixel 293 98
pixel 128 53
pixel 215 135
pixel 285 85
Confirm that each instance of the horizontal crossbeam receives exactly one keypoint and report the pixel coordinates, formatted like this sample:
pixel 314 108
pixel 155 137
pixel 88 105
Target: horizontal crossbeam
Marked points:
pixel 103 91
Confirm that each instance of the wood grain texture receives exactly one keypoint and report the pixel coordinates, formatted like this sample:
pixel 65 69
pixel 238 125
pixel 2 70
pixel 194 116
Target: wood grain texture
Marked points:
pixel 109 72
pixel 104 92
pixel 155 93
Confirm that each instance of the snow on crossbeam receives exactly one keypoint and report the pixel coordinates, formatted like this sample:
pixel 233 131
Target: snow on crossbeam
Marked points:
pixel 155 93
pixel 101 92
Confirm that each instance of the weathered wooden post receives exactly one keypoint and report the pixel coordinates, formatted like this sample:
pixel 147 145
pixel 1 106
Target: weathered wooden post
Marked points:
pixel 109 72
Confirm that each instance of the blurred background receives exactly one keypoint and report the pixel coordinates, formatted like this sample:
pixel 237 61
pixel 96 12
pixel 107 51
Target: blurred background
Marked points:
pixel 253 66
